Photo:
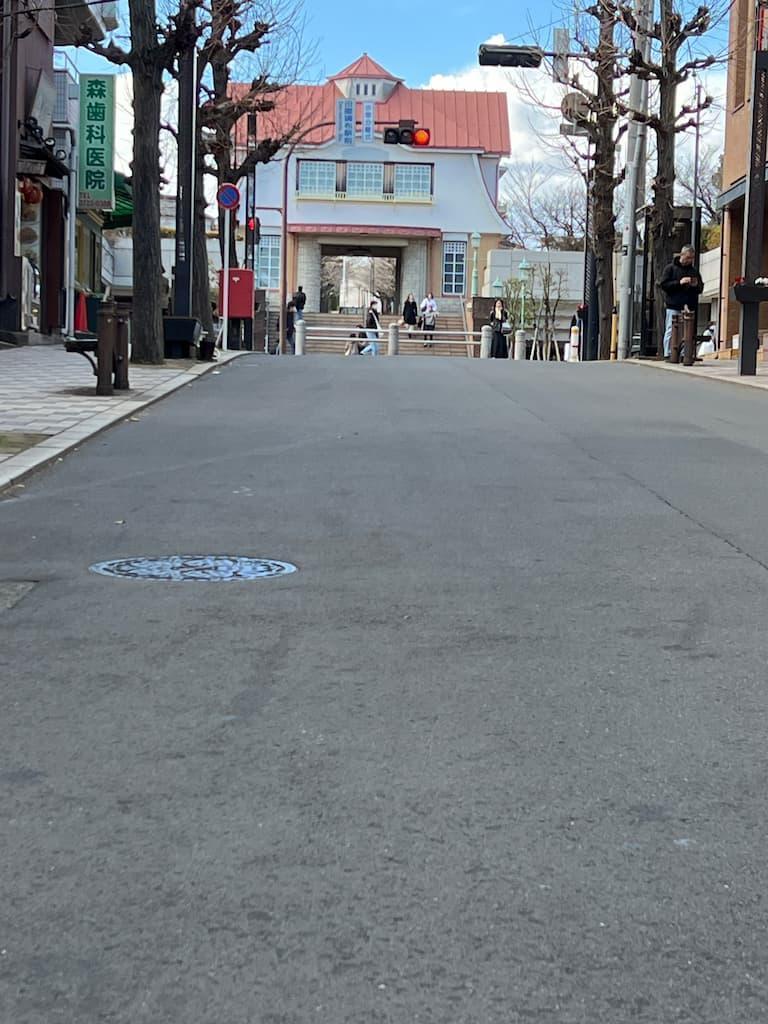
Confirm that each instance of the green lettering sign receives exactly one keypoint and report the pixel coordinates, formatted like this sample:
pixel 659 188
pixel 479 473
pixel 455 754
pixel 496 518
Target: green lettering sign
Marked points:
pixel 97 143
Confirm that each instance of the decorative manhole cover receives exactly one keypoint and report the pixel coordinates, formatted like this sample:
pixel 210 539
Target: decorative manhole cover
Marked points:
pixel 194 568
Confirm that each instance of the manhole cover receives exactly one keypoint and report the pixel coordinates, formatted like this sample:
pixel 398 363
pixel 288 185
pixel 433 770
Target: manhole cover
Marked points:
pixel 194 568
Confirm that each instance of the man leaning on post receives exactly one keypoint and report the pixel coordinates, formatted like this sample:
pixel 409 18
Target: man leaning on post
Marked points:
pixel 682 284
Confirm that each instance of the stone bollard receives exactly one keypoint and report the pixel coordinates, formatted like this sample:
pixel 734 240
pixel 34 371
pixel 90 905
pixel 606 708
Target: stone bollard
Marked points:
pixel 520 345
pixel 689 338
pixel 573 356
pixel 486 339
pixel 674 344
pixel 105 348
pixel 121 353
pixel 393 340
pixel 300 341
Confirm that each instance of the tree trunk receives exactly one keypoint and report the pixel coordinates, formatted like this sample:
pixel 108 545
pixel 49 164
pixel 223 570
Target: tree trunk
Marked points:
pixel 663 214
pixel 604 136
pixel 201 286
pixel 147 327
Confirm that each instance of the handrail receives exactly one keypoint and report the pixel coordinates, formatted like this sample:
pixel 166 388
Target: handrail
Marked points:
pixel 350 332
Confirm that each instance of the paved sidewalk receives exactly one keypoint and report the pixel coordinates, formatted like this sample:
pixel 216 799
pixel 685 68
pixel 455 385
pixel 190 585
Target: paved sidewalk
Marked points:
pixel 48 402
pixel 712 369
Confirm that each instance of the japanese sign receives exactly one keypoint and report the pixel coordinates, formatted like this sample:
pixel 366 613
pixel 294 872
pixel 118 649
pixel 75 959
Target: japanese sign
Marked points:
pixel 368 122
pixel 97 143
pixel 345 122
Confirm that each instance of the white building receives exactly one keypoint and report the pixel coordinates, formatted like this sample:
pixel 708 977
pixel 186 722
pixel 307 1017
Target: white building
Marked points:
pixel 417 207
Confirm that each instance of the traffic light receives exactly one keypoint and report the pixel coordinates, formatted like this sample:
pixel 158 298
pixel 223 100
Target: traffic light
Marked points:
pixel 504 56
pixel 407 134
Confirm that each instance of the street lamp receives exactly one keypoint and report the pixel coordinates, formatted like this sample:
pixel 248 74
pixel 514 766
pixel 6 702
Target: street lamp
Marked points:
pixel 475 238
pixel 498 288
pixel 523 273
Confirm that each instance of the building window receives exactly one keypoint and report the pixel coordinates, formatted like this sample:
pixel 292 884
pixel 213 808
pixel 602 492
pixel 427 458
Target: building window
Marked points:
pixel 413 181
pixel 365 179
pixel 454 267
pixel 268 262
pixel 357 89
pixel 365 89
pixel 317 177
pixel 373 89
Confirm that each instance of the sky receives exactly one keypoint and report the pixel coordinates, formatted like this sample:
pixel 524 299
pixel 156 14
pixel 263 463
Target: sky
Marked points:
pixel 433 44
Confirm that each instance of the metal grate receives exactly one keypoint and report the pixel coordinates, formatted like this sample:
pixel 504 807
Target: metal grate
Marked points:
pixel 194 568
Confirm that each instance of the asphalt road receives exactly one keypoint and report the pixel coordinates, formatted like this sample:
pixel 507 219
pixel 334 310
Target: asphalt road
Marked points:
pixel 495 754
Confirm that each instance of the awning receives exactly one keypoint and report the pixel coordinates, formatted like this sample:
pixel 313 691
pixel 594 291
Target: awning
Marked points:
pixel 122 215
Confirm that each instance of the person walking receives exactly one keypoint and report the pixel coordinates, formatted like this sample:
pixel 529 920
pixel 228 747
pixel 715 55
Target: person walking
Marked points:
pixel 300 301
pixel 372 328
pixel 682 284
pixel 499 321
pixel 428 319
pixel 410 312
pixel 290 326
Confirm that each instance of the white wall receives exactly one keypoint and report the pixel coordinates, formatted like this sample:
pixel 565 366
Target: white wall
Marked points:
pixel 461 201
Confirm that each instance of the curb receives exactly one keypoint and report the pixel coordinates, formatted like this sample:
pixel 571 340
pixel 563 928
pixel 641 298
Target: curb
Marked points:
pixel 41 455
pixel 756 383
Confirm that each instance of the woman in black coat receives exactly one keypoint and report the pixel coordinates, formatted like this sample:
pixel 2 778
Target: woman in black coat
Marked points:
pixel 410 312
pixel 499 319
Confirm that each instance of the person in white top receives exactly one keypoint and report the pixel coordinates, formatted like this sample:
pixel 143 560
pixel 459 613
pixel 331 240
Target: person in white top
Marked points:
pixel 428 319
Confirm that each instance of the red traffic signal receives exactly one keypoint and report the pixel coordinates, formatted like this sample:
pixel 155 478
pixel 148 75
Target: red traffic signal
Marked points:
pixel 407 134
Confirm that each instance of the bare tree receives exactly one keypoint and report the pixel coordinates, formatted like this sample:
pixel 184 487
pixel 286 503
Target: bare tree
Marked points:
pixel 671 36
pixel 150 53
pixel 709 181
pixel 545 208
pixel 235 84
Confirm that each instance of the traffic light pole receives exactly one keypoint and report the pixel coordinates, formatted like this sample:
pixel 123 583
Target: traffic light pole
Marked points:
pixel 185 187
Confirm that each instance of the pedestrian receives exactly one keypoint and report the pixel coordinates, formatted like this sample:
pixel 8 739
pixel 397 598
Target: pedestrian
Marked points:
pixel 290 326
pixel 300 301
pixel 410 312
pixel 682 284
pixel 357 342
pixel 499 321
pixel 372 323
pixel 428 319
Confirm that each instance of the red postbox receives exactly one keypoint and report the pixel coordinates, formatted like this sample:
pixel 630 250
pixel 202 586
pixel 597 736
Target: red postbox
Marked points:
pixel 240 294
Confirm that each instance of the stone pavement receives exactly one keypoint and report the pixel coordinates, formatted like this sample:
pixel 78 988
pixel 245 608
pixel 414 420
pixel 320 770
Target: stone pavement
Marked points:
pixel 712 369
pixel 48 402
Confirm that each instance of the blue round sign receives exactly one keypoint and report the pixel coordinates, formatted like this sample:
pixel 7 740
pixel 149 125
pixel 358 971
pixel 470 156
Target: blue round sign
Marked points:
pixel 228 196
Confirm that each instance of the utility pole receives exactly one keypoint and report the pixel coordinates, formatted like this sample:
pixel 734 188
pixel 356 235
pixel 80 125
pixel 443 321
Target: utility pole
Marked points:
pixel 185 186
pixel 635 181
pixel 696 159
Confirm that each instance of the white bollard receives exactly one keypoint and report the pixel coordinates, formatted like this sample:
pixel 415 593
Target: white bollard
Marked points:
pixel 393 342
pixel 520 345
pixel 486 339
pixel 300 340
pixel 573 356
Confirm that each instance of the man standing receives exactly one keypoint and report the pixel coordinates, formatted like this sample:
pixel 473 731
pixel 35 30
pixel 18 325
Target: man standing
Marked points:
pixel 682 284
pixel 300 301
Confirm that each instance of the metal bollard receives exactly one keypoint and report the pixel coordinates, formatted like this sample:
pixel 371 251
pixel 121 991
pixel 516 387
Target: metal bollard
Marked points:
pixel 486 339
pixel 520 345
pixel 674 343
pixel 615 334
pixel 575 338
pixel 689 339
pixel 300 339
pixel 393 340
pixel 105 348
pixel 121 354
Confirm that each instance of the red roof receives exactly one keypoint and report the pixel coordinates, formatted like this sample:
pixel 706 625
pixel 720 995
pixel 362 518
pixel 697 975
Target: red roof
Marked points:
pixel 364 67
pixel 457 120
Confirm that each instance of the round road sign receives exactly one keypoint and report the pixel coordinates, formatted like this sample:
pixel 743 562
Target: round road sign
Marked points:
pixel 228 196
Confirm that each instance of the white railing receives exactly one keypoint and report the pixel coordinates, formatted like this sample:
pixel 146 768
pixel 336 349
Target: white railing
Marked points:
pixel 312 333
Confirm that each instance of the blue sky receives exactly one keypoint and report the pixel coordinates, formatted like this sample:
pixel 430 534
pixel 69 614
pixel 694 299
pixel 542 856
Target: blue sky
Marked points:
pixel 415 40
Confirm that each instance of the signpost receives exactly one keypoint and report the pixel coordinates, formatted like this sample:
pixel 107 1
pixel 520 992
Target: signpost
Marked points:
pixel 228 198
pixel 345 122
pixel 367 134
